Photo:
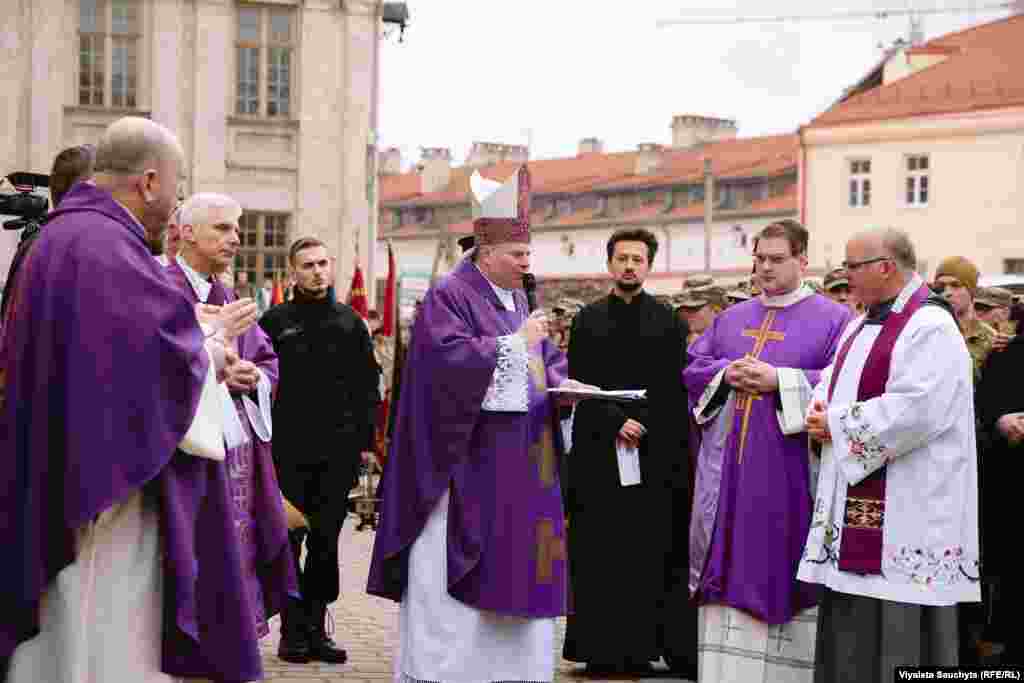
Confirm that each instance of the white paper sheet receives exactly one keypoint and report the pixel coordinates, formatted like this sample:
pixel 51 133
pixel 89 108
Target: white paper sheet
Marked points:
pixel 629 464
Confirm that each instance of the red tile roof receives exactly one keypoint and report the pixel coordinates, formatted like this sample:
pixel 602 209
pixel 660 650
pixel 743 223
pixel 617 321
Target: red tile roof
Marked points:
pixel 982 71
pixel 738 158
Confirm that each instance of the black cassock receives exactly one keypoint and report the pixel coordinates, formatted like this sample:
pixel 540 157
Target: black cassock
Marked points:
pixel 1000 468
pixel 628 545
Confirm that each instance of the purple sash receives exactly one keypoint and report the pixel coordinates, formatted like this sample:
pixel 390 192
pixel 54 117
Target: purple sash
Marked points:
pixel 860 549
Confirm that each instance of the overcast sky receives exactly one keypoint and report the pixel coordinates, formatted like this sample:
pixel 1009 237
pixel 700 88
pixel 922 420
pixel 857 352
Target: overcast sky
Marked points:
pixel 492 70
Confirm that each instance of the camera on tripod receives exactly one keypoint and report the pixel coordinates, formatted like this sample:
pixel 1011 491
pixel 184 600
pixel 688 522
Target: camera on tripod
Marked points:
pixel 27 204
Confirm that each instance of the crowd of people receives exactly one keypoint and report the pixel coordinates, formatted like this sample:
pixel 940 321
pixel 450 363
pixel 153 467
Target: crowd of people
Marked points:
pixel 774 480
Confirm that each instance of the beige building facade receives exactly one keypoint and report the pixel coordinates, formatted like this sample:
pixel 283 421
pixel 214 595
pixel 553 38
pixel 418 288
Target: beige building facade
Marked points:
pixel 931 142
pixel 273 101
pixel 579 201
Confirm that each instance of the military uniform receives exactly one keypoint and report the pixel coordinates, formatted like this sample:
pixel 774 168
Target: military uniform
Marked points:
pixel 699 291
pixel 980 337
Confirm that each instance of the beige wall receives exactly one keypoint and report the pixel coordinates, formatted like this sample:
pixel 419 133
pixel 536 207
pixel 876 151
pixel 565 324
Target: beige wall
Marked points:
pixel 975 208
pixel 313 166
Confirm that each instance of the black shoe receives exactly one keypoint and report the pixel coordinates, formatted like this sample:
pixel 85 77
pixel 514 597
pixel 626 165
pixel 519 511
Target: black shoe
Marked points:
pixel 294 646
pixel 321 647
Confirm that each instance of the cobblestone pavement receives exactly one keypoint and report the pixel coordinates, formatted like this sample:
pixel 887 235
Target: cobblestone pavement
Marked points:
pixel 366 627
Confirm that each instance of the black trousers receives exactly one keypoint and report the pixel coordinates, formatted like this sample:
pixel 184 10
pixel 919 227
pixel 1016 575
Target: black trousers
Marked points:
pixel 320 491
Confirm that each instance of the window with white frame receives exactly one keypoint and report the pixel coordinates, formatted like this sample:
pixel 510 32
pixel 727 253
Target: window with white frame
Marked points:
pixel 264 53
pixel 860 182
pixel 263 248
pixel 918 185
pixel 108 52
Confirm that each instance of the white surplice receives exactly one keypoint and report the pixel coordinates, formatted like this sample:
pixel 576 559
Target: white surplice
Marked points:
pixel 101 619
pixel 922 429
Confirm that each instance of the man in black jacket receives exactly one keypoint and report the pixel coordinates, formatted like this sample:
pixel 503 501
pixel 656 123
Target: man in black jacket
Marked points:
pixel 323 416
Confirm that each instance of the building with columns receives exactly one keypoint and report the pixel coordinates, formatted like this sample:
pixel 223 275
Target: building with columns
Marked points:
pixel 273 101
pixel 577 202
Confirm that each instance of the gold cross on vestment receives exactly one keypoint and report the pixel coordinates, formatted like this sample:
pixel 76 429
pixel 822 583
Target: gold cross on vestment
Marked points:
pixel 543 453
pixel 745 402
pixel 550 548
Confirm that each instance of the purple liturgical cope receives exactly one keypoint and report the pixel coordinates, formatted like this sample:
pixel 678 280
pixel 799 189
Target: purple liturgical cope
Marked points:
pixel 752 507
pixel 104 365
pixel 255 493
pixel 506 531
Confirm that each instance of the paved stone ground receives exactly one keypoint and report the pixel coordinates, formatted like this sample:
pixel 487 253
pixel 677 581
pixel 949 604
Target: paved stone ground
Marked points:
pixel 366 627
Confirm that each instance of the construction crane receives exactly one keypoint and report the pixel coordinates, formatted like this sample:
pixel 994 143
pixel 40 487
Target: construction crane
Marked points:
pixel 915 34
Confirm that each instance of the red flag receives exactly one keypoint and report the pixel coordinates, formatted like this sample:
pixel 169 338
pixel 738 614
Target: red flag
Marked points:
pixel 388 328
pixel 277 294
pixel 357 294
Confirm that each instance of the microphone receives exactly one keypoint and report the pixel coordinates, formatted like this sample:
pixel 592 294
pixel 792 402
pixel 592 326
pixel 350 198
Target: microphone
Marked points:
pixel 530 287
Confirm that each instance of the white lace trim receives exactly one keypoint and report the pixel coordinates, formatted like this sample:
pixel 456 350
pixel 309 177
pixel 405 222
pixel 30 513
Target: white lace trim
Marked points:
pixel 509 391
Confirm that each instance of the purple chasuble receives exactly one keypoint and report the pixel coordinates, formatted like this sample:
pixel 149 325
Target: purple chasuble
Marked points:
pixel 105 363
pixel 506 531
pixel 255 495
pixel 860 549
pixel 752 507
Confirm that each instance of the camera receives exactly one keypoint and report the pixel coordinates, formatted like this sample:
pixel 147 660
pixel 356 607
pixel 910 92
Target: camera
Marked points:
pixel 27 205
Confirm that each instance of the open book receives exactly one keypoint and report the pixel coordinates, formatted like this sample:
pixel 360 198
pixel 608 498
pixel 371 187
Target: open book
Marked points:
pixel 622 395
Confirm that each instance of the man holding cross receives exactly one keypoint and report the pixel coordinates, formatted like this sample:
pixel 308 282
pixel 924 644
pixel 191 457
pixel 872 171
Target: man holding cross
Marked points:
pixel 749 380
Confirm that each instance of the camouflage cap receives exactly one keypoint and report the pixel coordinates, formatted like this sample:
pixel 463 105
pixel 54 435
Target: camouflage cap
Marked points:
pixel 696 281
pixel 836 277
pixel 568 305
pixel 994 297
pixel 699 297
pixel 741 292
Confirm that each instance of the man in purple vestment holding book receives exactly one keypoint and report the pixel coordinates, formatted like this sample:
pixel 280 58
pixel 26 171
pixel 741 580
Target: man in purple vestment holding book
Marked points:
pixel 209 240
pixel 749 380
pixel 123 562
pixel 471 539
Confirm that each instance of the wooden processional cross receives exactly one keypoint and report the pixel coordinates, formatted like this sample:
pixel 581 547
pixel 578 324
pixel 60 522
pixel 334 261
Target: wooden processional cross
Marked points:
pixel 745 402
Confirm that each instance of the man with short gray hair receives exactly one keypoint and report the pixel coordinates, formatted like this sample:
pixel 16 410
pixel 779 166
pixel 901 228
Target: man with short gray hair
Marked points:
pixel 895 409
pixel 209 241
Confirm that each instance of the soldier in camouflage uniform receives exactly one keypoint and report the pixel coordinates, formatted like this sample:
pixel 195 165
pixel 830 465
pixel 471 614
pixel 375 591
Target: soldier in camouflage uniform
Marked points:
pixel 701 301
pixel 992 305
pixel 956 279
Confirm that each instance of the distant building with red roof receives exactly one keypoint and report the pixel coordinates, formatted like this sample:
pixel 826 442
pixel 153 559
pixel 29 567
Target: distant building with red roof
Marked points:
pixel 931 141
pixel 579 201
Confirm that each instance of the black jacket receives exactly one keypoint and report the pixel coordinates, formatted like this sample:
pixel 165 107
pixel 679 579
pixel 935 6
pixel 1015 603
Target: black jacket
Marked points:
pixel 328 391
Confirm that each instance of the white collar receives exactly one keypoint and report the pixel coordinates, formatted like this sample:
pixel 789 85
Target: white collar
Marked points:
pixel 506 296
pixel 907 291
pixel 787 299
pixel 200 285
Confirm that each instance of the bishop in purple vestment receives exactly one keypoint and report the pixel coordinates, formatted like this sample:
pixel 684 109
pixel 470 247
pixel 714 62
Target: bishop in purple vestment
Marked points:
pixel 752 503
pixel 105 364
pixel 473 473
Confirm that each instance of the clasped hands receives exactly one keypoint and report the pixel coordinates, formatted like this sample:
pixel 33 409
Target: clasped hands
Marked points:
pixel 229 322
pixel 1011 426
pixel 817 422
pixel 752 376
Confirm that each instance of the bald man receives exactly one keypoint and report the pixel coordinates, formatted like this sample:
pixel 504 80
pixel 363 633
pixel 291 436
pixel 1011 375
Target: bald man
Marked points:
pixel 122 559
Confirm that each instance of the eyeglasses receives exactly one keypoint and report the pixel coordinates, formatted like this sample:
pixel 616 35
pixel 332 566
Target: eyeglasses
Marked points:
pixel 855 265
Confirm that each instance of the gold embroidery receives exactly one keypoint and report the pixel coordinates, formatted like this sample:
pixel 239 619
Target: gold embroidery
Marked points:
pixel 543 453
pixel 539 376
pixel 550 549
pixel 745 402
pixel 864 513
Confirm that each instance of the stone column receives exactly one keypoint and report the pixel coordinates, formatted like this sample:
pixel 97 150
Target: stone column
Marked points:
pixel 165 68
pixel 360 43
pixel 212 88
pixel 320 83
pixel 46 83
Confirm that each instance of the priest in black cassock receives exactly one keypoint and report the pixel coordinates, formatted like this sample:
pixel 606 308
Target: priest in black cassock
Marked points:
pixel 628 529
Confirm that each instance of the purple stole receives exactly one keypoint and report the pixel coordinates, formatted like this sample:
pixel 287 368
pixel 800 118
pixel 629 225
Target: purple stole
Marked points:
pixel 860 549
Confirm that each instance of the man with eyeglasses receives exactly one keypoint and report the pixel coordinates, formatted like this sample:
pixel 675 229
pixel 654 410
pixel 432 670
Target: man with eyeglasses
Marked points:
pixel 749 380
pixel 894 538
